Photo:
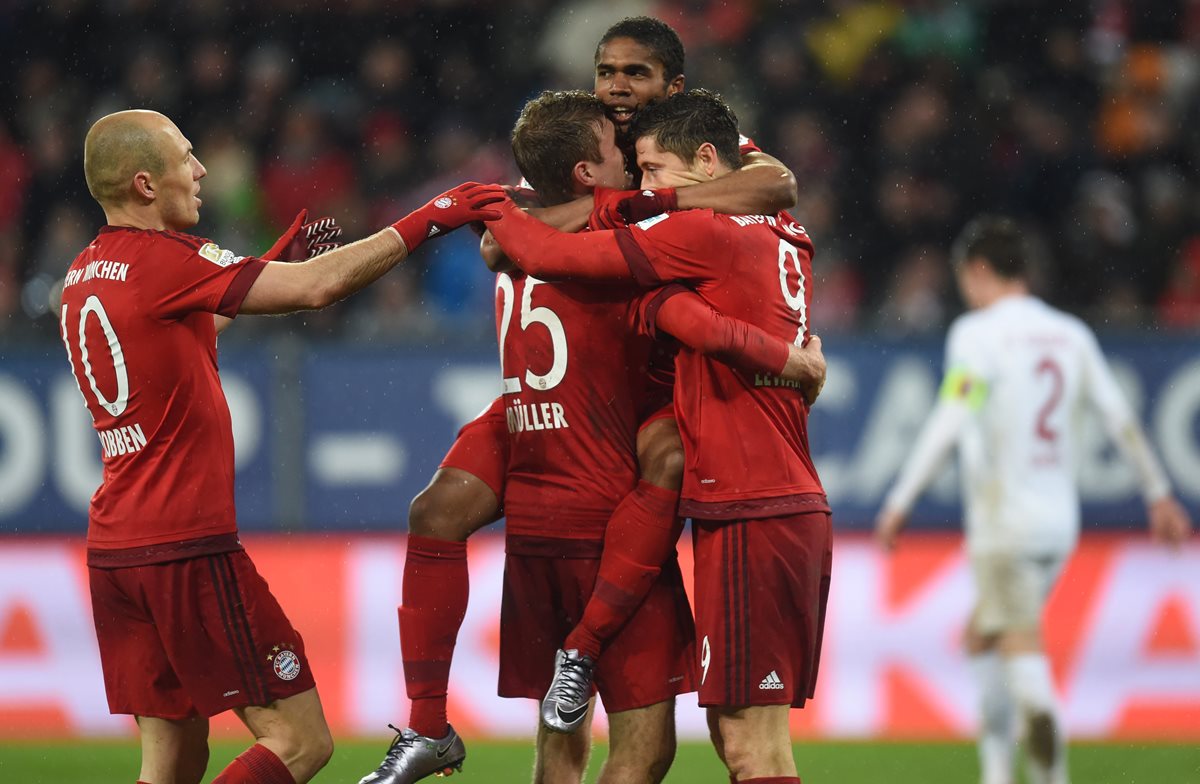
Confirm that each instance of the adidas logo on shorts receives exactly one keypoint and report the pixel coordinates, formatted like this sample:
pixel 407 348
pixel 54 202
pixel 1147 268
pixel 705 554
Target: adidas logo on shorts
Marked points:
pixel 771 682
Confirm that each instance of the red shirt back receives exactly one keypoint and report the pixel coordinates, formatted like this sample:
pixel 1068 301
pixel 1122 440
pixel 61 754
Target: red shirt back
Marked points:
pixel 138 327
pixel 573 358
pixel 745 435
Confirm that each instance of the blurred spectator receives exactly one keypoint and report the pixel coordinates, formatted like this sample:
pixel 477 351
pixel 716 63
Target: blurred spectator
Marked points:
pixel 899 119
pixel 1179 305
pixel 915 301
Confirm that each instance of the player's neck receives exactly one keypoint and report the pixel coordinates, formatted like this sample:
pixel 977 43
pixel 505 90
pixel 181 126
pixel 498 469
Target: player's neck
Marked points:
pixel 134 217
pixel 1006 289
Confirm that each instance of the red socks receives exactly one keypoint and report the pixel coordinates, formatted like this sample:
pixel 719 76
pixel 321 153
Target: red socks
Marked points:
pixel 255 765
pixel 434 599
pixel 640 536
pixel 768 780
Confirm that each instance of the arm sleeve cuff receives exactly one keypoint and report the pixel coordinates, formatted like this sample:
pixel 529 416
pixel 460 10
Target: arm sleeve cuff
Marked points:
pixel 231 301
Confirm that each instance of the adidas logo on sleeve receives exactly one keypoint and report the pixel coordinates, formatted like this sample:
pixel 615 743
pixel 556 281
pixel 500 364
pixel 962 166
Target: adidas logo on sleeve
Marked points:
pixel 771 682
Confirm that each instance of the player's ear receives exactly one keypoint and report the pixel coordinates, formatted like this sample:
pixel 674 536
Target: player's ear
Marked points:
pixel 143 186
pixel 706 156
pixel 581 174
pixel 675 85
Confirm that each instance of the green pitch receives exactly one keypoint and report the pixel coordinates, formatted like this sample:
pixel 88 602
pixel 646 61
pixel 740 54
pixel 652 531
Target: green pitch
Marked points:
pixel 820 763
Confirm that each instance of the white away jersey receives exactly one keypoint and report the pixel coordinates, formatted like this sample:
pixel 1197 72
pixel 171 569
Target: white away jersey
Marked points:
pixel 1019 376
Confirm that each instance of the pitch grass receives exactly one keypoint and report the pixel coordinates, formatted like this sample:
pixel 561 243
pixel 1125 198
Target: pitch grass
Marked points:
pixel 820 763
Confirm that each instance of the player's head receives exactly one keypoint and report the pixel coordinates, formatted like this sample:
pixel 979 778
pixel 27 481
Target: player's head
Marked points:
pixel 639 61
pixel 139 160
pixel 990 252
pixel 565 145
pixel 688 138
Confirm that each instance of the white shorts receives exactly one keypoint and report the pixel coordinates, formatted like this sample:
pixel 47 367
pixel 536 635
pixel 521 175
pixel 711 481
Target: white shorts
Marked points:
pixel 1011 589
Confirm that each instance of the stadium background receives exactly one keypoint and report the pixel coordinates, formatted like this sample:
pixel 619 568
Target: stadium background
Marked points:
pixel 900 120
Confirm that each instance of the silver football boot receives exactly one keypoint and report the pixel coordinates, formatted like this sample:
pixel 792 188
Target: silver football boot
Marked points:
pixel 412 757
pixel 566 703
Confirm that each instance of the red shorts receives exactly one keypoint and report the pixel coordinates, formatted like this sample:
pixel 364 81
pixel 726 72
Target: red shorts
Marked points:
pixel 481 448
pixel 761 590
pixel 197 636
pixel 650 659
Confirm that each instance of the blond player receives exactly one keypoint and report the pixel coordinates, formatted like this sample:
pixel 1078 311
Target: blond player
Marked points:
pixel 1018 376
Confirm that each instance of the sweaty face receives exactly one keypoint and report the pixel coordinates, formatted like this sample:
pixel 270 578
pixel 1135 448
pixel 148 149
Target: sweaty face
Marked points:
pixel 662 169
pixel 177 188
pixel 610 172
pixel 628 78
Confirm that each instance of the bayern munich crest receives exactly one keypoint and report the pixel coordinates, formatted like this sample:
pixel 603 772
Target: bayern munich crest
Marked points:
pixel 285 663
pixel 443 202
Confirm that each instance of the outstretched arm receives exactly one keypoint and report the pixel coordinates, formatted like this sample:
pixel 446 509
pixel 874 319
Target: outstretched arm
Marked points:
pixel 548 254
pixel 569 216
pixel 309 285
pixel 763 186
pixel 301 241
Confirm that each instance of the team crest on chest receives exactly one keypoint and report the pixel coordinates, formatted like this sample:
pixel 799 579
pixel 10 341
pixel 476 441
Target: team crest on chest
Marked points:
pixel 285 662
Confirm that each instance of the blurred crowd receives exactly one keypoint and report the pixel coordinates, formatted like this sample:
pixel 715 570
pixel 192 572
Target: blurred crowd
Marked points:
pixel 900 119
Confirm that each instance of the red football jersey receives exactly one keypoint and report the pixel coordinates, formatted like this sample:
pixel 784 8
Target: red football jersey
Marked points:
pixel 745 435
pixel 138 327
pixel 573 358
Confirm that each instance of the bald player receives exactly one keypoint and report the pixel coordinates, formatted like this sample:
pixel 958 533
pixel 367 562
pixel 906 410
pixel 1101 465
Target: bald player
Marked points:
pixel 186 626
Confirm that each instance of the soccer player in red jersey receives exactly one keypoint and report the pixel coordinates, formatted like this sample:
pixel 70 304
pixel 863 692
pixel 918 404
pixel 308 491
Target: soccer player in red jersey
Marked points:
pixel 750 486
pixel 576 390
pixel 186 626
pixel 638 61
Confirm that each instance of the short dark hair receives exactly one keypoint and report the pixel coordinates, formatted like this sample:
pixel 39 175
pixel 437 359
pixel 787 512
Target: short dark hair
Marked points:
pixel 654 34
pixel 684 121
pixel 998 240
pixel 555 131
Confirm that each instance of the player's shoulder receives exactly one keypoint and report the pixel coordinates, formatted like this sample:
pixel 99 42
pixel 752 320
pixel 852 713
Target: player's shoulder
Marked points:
pixel 972 328
pixel 678 223
pixel 1068 320
pixel 183 239
pixel 1042 314
pixel 746 145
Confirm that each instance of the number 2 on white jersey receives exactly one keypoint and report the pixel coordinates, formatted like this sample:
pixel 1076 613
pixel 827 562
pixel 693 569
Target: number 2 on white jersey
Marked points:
pixel 93 305
pixel 1049 367
pixel 531 315
pixel 794 300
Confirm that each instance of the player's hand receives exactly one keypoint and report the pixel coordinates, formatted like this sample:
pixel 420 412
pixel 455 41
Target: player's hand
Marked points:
pixel 1170 523
pixel 604 210
pixel 305 239
pixel 887 528
pixel 443 214
pixel 525 198
pixel 646 204
pixel 806 366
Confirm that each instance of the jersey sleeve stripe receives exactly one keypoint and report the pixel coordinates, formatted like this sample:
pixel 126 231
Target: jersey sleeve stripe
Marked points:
pixel 657 300
pixel 639 263
pixel 231 302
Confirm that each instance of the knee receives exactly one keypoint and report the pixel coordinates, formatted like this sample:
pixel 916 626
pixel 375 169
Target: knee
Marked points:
pixel 427 517
pixel 662 464
pixel 194 763
pixel 749 757
pixel 647 764
pixel 318 749
pixel 306 752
